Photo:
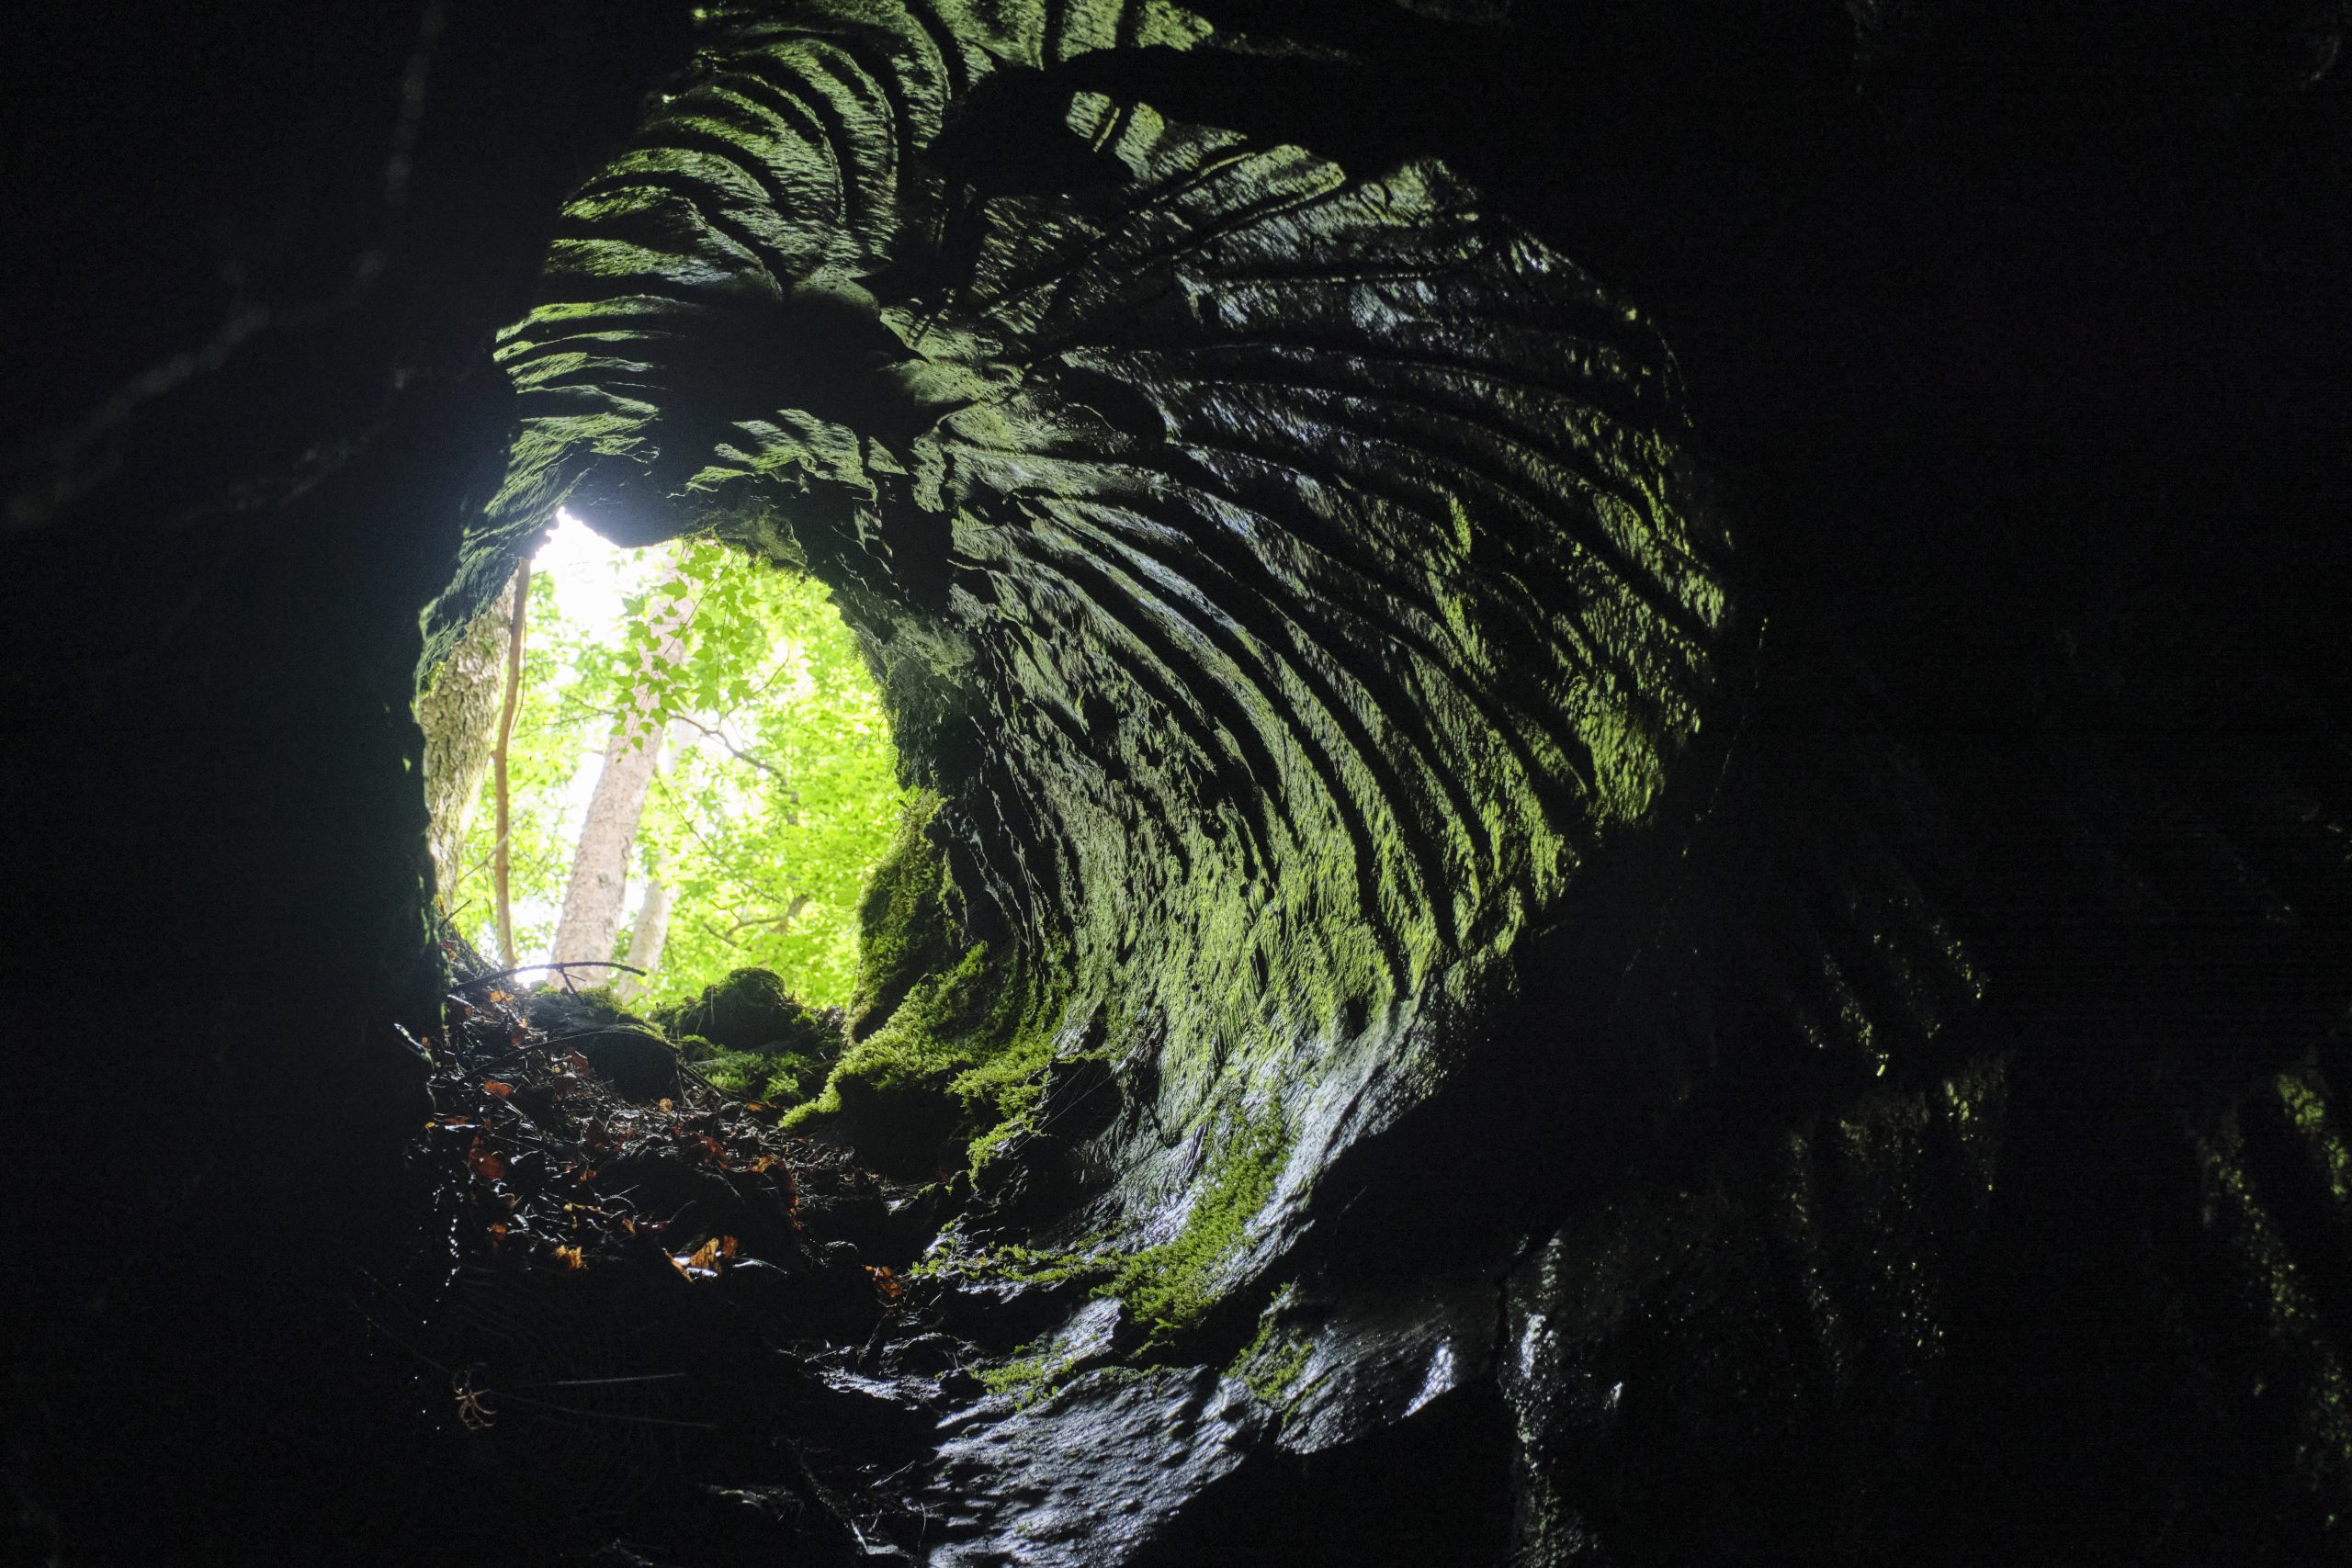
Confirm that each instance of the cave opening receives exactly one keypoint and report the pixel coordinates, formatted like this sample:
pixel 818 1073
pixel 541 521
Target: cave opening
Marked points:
pixel 1427 1009
pixel 656 776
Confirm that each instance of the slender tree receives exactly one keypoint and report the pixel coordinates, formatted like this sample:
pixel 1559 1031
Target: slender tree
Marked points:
pixel 591 920
pixel 647 937
pixel 650 932
pixel 503 863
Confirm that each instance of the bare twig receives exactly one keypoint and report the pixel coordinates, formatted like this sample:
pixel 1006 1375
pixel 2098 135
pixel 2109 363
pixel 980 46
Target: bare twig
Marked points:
pixel 799 905
pixel 726 862
pixel 737 753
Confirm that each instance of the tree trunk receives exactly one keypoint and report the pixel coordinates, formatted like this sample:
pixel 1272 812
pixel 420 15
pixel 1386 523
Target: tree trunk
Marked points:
pixel 591 920
pixel 646 940
pixel 502 853
pixel 458 711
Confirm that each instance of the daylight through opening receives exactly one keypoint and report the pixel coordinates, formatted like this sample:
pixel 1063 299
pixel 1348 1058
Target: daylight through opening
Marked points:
pixel 697 770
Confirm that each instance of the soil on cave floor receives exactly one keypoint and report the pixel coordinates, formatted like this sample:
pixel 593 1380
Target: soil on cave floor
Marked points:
pixel 643 1321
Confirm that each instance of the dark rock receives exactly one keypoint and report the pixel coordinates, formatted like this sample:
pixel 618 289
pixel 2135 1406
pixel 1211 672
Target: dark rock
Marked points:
pixel 626 1051
pixel 751 1011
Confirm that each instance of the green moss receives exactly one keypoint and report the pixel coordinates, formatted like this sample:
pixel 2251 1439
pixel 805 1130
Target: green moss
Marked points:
pixel 749 1036
pixel 903 929
pixel 2282 1296
pixel 939 1030
pixel 607 1006
pixel 962 1055
pixel 1272 1364
pixel 1008 1088
pixel 950 1043
pixel 1027 1378
pixel 2306 1100
pixel 1025 1265
pixel 783 1079
pixel 1030 1378
pixel 1169 1289
pixel 750 1011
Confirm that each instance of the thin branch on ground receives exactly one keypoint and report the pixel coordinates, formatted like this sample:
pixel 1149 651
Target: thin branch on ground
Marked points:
pixel 534 968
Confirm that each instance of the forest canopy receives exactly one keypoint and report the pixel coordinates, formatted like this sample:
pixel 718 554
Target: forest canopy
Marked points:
pixel 775 790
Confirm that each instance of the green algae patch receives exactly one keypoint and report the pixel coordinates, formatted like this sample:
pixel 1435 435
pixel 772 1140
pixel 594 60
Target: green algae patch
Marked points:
pixel 1170 1288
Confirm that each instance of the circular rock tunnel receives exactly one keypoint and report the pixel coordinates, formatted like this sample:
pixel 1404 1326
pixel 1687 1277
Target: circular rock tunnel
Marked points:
pixel 1520 1001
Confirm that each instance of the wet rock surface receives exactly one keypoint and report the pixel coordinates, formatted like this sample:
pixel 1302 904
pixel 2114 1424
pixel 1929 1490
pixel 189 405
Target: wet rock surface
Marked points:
pixel 1443 1014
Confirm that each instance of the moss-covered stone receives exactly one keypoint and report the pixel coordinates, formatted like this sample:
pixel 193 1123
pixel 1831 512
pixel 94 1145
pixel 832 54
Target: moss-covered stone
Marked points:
pixel 949 1038
pixel 1014 1262
pixel 1271 1365
pixel 904 931
pixel 1170 1288
pixel 962 1053
pixel 751 1011
pixel 1025 1379
pixel 750 1036
pixel 628 1051
pixel 785 1079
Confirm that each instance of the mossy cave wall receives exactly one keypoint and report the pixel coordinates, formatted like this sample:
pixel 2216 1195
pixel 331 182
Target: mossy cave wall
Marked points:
pixel 1288 580
pixel 1212 568
pixel 1449 1015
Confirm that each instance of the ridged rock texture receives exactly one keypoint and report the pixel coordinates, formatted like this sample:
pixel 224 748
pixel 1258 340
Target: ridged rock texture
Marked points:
pixel 1441 1013
pixel 1294 579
